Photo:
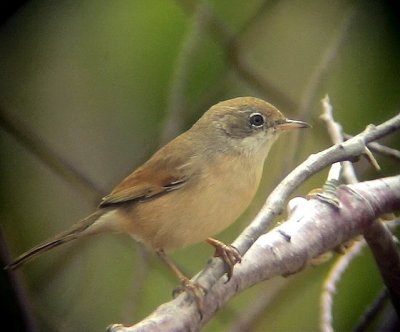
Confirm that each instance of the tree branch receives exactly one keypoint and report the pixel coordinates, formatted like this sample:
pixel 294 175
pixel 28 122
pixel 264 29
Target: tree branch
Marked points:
pixel 381 149
pixel 378 236
pixel 308 235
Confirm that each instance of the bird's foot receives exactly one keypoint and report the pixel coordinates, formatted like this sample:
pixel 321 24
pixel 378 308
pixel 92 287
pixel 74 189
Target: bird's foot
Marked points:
pixel 228 253
pixel 195 290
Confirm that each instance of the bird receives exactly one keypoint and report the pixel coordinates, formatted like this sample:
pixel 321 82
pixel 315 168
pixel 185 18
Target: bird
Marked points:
pixel 191 189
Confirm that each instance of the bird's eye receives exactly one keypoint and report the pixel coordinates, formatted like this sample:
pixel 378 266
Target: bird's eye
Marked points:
pixel 256 120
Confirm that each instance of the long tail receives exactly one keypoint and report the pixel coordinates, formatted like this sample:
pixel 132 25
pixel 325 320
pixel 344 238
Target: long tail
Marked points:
pixel 76 231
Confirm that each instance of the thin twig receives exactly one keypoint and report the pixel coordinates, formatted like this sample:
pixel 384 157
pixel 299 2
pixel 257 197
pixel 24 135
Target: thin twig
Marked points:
pixel 329 286
pixel 336 134
pixel 381 149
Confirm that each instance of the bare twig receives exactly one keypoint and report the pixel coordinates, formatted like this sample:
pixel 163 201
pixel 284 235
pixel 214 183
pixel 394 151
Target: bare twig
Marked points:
pixel 336 133
pixel 333 127
pixel 330 285
pixel 329 288
pixel 381 149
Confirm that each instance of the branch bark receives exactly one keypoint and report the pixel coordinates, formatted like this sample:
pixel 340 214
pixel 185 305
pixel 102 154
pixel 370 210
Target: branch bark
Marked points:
pixel 312 229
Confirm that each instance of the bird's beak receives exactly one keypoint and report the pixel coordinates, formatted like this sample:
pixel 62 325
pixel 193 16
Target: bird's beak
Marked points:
pixel 292 124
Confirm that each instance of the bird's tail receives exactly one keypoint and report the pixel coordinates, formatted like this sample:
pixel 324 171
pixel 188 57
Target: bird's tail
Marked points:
pixel 76 231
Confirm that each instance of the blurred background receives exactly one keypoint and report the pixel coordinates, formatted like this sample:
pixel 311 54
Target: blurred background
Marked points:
pixel 90 89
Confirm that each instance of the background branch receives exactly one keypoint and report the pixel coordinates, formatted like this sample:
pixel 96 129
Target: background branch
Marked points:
pixel 331 281
pixel 177 104
pixel 387 258
pixel 34 144
pixel 234 54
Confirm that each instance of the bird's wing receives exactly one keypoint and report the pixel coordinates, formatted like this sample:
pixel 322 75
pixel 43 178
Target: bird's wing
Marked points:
pixel 161 174
pixel 140 191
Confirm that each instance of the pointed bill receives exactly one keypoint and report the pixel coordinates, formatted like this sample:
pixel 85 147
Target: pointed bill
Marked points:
pixel 292 124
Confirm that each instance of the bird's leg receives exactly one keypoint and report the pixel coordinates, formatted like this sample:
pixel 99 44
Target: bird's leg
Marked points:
pixel 194 289
pixel 229 254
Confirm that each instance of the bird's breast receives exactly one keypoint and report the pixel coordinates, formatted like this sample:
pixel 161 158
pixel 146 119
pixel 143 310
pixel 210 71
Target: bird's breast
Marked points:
pixel 206 205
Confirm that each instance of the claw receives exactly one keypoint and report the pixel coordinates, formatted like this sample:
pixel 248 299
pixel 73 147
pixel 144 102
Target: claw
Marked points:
pixel 190 287
pixel 228 253
pixel 195 290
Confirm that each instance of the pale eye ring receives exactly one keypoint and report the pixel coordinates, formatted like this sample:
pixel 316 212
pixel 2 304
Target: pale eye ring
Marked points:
pixel 256 120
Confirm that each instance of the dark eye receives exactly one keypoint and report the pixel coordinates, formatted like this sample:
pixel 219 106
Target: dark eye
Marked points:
pixel 256 120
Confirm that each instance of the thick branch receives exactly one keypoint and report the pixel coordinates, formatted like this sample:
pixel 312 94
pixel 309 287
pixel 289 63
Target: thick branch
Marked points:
pixel 322 228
